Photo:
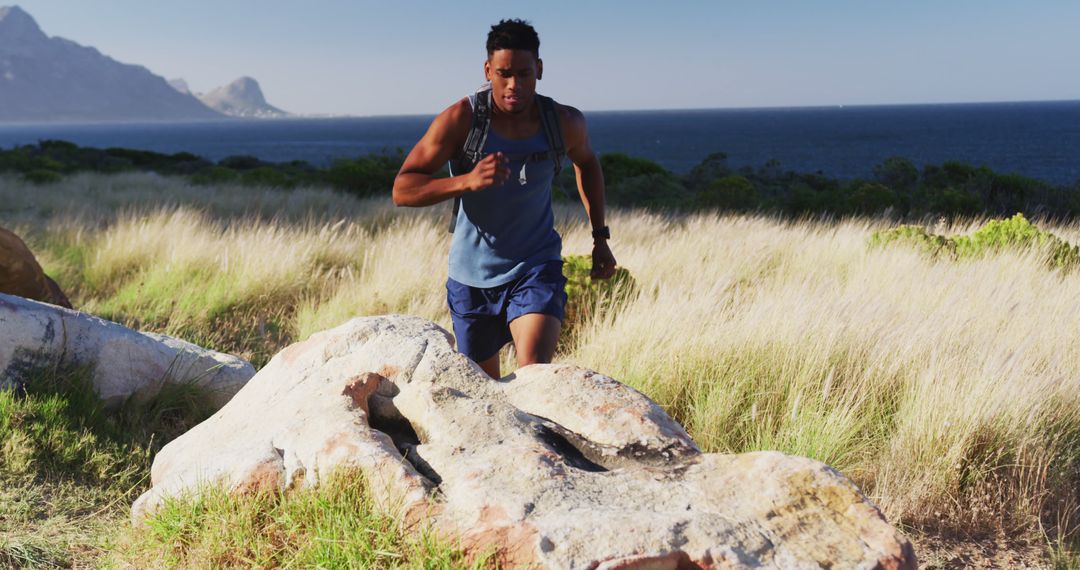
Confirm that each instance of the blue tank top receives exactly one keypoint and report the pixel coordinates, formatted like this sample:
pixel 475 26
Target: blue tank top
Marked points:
pixel 503 231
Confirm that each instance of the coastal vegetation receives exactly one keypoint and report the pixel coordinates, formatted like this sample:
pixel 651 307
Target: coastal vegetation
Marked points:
pixel 948 391
pixel 896 187
pixel 1015 233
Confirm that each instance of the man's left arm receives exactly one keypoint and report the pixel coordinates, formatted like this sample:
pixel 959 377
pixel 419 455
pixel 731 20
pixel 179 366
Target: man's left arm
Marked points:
pixel 590 183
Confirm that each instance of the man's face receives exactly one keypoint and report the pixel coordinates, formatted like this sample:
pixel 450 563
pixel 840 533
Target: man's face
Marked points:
pixel 513 74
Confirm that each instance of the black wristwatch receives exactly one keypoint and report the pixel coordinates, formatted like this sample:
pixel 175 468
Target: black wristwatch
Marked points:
pixel 602 233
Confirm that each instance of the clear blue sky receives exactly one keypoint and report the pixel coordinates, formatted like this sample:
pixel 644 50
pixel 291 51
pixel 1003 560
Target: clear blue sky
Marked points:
pixel 408 57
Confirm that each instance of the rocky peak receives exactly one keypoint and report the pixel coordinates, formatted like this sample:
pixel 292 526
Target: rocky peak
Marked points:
pixel 241 98
pixel 16 26
pixel 246 88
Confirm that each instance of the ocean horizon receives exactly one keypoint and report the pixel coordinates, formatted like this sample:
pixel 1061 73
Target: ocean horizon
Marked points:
pixel 1039 139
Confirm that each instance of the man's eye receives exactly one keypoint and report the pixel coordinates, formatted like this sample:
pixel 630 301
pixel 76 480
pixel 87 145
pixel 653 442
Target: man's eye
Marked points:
pixel 505 74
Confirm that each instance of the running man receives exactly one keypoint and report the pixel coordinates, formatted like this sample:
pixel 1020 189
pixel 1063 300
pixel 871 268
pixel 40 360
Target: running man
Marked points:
pixel 504 145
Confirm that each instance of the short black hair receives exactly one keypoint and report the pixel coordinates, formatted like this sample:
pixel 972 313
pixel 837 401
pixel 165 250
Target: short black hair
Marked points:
pixel 513 34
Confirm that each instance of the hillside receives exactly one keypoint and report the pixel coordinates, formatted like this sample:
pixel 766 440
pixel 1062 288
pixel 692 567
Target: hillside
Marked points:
pixel 49 79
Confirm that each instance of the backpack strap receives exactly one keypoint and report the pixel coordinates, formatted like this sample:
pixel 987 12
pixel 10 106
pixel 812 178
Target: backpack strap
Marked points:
pixel 472 152
pixel 478 132
pixel 549 120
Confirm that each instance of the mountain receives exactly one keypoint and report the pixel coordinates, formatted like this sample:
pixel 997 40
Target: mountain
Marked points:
pixel 46 78
pixel 241 98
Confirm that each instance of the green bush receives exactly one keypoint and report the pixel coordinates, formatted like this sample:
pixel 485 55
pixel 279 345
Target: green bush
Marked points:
pixel 366 175
pixel 585 295
pixel 265 176
pixel 657 191
pixel 619 167
pixel 914 236
pixel 43 176
pixel 215 175
pixel 897 172
pixel 729 193
pixel 712 167
pixel 1015 233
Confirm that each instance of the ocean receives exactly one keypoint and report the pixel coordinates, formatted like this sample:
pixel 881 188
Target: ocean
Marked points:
pixel 1036 139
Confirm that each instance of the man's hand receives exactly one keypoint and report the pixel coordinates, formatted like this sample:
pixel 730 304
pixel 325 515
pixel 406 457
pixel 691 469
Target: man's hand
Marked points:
pixel 603 262
pixel 492 170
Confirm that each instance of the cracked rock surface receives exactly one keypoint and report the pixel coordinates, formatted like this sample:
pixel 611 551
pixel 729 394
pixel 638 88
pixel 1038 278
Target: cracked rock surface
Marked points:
pixel 125 362
pixel 554 466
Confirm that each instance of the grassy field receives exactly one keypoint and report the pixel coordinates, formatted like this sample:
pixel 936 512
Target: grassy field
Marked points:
pixel 948 390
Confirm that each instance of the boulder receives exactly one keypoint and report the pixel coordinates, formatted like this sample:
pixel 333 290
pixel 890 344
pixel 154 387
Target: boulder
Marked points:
pixel 125 362
pixel 21 275
pixel 554 466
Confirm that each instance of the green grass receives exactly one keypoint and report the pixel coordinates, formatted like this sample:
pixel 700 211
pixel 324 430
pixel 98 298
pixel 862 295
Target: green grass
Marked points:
pixel 334 526
pixel 69 469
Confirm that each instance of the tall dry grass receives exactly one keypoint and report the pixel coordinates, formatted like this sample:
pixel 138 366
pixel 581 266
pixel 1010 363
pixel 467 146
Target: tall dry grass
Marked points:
pixel 950 391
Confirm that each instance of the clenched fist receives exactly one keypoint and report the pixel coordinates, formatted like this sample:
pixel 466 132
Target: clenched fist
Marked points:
pixel 492 170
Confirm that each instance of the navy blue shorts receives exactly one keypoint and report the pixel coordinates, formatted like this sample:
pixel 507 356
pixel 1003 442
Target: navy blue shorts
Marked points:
pixel 482 316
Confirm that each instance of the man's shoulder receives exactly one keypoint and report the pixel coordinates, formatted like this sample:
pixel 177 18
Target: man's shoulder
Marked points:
pixel 451 126
pixel 458 114
pixel 571 119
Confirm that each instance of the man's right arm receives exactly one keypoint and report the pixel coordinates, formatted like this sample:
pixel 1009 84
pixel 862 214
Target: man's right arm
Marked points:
pixel 416 185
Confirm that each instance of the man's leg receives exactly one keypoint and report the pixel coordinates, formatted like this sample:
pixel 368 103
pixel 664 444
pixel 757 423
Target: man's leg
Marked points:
pixel 535 336
pixel 491 366
pixel 479 326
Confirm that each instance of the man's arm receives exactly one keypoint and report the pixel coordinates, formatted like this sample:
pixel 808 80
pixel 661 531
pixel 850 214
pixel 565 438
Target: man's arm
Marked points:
pixel 416 185
pixel 590 182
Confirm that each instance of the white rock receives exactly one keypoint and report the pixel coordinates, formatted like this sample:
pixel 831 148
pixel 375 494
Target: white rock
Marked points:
pixel 555 466
pixel 125 362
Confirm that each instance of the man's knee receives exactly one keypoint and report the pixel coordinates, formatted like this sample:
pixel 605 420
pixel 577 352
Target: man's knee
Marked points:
pixel 535 337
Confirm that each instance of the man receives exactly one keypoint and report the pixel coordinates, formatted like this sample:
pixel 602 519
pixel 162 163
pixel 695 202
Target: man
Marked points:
pixel 506 282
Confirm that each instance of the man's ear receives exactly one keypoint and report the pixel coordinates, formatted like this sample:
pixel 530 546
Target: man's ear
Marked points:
pixel 539 69
pixel 487 69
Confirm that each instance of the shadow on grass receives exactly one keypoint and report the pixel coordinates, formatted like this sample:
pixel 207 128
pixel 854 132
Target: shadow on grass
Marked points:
pixel 69 467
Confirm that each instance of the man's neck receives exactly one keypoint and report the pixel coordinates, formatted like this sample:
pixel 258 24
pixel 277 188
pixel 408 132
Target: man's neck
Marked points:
pixel 516 125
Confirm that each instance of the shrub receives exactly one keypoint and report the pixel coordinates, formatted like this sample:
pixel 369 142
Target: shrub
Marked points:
pixel 241 162
pixel 619 167
pixel 914 236
pixel 897 172
pixel 215 175
pixel 43 176
pixel 657 191
pixel 868 198
pixel 585 295
pixel 366 175
pixel 265 176
pixel 711 168
pixel 729 193
pixel 1015 233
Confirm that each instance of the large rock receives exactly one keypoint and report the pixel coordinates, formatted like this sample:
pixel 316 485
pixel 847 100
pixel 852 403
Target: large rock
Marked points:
pixel 126 363
pixel 21 275
pixel 555 466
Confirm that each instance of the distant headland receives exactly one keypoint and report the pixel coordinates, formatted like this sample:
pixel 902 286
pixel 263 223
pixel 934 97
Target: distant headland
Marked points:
pixel 53 79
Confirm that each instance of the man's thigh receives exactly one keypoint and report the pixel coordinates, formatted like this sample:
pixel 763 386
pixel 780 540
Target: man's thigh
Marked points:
pixel 535 337
pixel 479 324
pixel 535 310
